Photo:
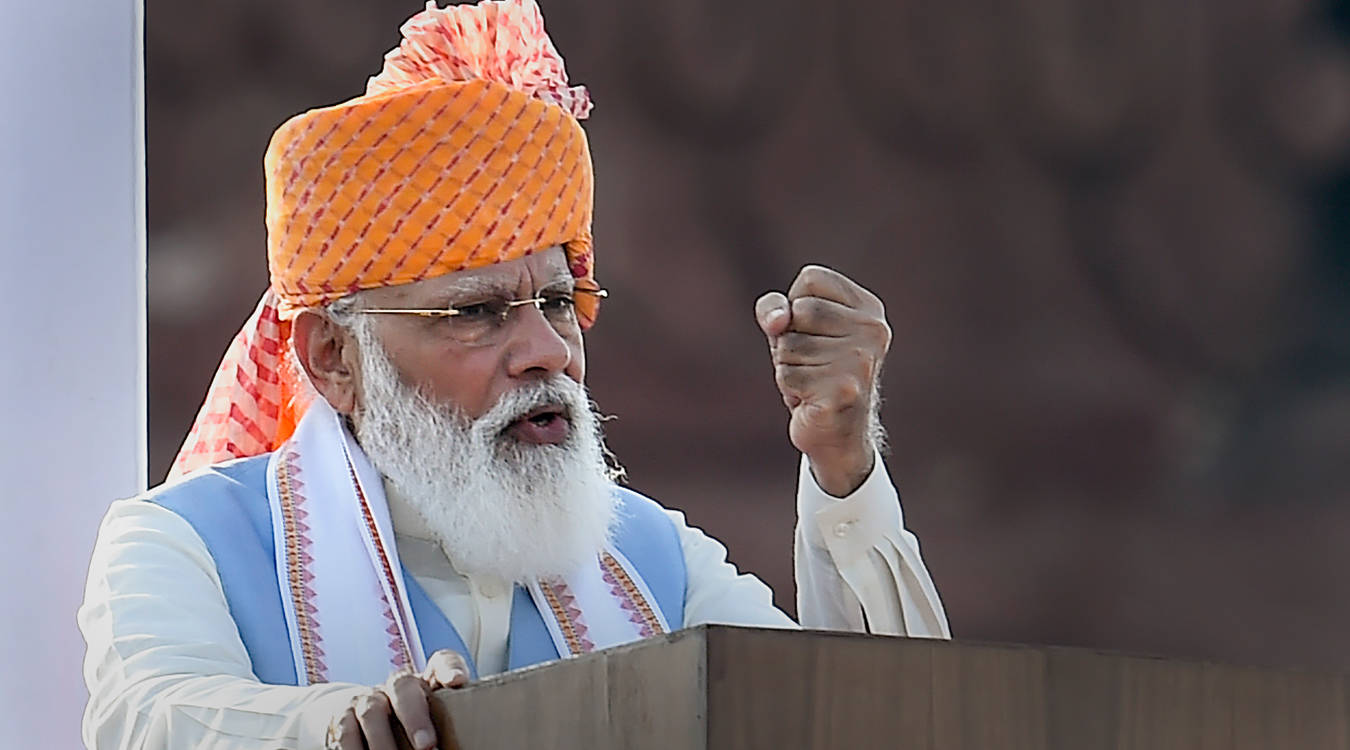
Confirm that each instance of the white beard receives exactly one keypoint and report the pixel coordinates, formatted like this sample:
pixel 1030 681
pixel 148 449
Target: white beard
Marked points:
pixel 496 506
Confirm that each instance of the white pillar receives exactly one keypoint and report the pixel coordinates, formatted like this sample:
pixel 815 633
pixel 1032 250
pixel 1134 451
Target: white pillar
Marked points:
pixel 72 333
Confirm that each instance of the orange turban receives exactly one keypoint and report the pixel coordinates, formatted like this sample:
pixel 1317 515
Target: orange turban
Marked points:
pixel 465 151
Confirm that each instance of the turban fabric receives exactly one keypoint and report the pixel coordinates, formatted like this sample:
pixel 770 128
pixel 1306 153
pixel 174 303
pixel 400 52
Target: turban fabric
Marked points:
pixel 465 151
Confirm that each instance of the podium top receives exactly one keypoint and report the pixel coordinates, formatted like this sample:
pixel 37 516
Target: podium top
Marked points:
pixel 725 688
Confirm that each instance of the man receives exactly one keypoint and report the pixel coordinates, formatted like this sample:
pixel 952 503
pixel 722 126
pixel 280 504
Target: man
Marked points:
pixel 397 482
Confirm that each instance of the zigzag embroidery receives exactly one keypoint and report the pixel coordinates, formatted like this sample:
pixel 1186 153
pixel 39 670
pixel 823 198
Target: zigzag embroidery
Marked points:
pixel 565 611
pixel 298 562
pixel 630 598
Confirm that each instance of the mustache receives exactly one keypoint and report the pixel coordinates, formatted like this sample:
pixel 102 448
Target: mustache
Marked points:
pixel 558 392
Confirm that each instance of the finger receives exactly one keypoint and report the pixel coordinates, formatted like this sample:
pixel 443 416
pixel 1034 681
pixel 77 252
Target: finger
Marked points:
pixel 348 731
pixel 408 697
pixel 819 281
pixel 820 384
pixel 446 669
pixel 824 317
pixel 794 381
pixel 805 349
pixel 372 711
pixel 832 356
pixel 773 314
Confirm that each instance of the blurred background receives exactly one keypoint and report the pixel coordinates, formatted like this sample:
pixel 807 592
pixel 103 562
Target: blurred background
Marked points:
pixel 1113 237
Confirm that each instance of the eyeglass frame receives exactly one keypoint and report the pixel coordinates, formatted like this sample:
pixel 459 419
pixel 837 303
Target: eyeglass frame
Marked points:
pixel 451 311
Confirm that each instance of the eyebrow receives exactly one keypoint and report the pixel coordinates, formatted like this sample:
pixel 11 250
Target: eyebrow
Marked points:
pixel 476 285
pixel 562 278
pixel 479 285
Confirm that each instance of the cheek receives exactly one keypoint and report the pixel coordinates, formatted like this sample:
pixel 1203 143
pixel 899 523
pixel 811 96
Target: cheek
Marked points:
pixel 576 369
pixel 465 379
pixel 468 381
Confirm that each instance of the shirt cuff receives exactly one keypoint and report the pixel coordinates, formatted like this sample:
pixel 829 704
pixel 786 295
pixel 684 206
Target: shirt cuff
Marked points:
pixel 848 527
pixel 319 712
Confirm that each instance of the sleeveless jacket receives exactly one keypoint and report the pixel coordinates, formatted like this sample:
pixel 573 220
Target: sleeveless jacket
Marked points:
pixel 227 506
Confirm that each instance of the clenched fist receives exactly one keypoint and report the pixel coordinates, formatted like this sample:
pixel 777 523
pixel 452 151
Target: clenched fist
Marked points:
pixel 828 337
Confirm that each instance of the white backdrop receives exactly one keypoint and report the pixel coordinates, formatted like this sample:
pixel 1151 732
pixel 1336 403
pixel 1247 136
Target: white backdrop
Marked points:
pixel 72 333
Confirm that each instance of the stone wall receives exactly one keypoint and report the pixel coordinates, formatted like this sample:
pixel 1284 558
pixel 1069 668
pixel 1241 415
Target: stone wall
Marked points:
pixel 1113 237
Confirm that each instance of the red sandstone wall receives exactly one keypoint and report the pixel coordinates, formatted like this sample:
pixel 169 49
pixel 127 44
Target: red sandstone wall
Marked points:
pixel 1119 390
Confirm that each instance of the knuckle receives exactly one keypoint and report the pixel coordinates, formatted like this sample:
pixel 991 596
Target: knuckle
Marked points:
pixel 347 724
pixel 877 330
pixel 807 310
pixel 399 695
pixel 793 343
pixel 448 657
pixel 808 277
pixel 407 687
pixel 370 705
pixel 848 391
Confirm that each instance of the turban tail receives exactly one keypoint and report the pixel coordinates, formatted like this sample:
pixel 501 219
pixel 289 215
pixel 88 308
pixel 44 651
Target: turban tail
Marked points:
pixel 465 151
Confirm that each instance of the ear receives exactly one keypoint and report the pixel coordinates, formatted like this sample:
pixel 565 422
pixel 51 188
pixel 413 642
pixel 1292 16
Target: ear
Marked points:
pixel 330 356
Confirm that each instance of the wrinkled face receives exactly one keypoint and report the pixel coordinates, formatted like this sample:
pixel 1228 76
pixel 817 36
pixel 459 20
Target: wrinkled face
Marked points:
pixel 469 361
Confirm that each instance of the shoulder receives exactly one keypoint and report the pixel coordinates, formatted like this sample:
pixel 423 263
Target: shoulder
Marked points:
pixel 222 501
pixel 242 477
pixel 209 493
pixel 643 521
pixel 636 512
pixel 143 539
pixel 169 505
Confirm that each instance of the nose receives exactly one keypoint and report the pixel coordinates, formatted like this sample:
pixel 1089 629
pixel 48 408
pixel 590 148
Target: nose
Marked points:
pixel 535 347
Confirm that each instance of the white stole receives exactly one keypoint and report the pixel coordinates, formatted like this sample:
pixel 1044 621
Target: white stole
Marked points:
pixel 342 589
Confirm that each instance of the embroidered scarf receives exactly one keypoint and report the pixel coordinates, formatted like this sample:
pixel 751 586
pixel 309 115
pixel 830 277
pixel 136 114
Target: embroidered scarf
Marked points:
pixel 347 611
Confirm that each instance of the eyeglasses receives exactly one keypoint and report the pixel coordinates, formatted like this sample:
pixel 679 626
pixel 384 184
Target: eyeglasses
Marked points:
pixel 481 323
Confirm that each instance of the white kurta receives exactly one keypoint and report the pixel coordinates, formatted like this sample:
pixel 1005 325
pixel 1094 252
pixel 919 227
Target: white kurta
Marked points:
pixel 166 668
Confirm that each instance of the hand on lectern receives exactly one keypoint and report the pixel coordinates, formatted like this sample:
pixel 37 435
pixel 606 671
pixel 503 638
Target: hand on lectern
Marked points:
pixel 367 722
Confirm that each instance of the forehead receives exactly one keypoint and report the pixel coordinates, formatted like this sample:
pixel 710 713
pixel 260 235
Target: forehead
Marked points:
pixel 519 276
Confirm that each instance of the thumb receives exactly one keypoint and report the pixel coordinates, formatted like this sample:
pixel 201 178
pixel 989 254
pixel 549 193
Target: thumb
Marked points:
pixel 773 314
pixel 444 669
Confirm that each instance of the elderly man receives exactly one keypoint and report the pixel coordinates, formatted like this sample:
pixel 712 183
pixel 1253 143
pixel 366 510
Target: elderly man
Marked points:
pixel 397 481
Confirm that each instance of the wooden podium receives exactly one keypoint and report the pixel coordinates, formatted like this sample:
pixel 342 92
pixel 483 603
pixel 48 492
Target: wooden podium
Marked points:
pixel 724 688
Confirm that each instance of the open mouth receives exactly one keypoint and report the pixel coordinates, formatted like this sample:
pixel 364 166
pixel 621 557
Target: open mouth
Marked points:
pixel 543 425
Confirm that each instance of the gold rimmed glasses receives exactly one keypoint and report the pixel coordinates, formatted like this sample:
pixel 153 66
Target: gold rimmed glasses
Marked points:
pixel 481 322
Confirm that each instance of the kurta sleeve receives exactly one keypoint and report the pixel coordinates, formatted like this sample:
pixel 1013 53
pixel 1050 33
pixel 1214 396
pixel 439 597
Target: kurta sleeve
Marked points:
pixel 857 566
pixel 715 591
pixel 164 664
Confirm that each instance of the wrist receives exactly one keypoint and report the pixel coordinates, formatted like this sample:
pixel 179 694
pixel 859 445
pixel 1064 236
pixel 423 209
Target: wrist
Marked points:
pixel 842 474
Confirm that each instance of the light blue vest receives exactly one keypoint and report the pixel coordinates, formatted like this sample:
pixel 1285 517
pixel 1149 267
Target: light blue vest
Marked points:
pixel 227 506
